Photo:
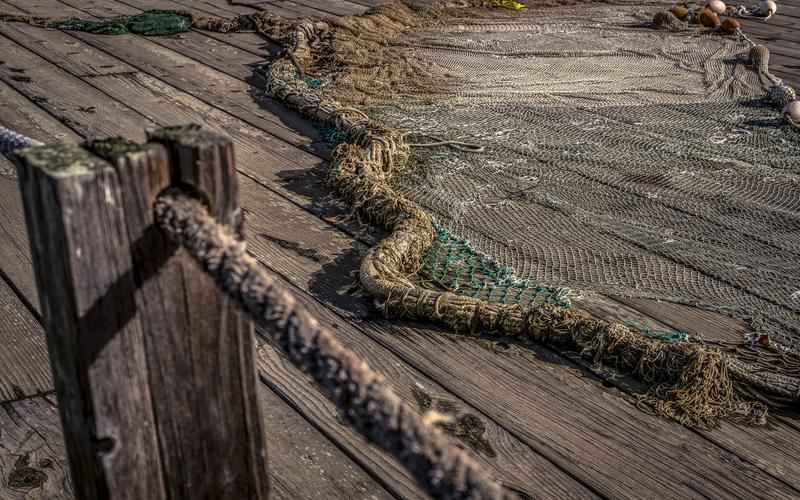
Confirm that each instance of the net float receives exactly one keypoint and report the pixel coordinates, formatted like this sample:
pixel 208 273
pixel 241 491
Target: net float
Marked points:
pixel 767 8
pixel 792 111
pixel 730 25
pixel 716 6
pixel 709 18
pixel 680 11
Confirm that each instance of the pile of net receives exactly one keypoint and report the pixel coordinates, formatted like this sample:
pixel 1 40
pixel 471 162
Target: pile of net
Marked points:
pixel 518 154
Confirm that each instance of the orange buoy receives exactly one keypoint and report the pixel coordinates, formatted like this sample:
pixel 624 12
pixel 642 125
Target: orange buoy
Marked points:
pixel 792 111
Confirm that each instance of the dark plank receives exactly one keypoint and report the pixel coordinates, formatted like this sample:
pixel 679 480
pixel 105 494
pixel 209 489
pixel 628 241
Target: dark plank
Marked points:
pixel 33 463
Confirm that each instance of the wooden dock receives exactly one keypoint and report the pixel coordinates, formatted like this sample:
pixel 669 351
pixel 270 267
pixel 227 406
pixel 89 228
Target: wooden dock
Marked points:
pixel 541 421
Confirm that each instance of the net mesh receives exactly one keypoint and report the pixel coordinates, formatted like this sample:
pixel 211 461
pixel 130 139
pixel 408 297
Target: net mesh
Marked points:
pixel 617 158
pixel 150 23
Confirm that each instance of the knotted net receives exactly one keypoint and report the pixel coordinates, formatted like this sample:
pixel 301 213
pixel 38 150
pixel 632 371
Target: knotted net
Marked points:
pixel 519 154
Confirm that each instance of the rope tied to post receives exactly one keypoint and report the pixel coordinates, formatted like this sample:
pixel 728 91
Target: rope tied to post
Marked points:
pixel 366 401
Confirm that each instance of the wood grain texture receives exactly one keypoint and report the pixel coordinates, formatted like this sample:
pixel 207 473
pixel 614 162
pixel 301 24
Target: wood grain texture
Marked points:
pixel 219 70
pixel 23 355
pixel 198 344
pixel 304 465
pixel 76 226
pixel 33 461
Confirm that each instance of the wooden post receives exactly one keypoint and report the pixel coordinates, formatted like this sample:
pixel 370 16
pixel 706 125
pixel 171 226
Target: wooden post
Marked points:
pixel 153 365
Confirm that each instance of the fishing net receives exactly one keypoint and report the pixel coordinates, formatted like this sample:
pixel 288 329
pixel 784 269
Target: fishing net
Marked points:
pixel 518 154
pixel 149 23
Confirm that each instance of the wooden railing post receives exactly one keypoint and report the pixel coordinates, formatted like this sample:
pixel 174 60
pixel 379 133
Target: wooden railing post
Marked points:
pixel 153 365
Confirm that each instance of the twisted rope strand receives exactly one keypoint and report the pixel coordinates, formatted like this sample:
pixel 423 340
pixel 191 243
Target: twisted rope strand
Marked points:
pixel 366 401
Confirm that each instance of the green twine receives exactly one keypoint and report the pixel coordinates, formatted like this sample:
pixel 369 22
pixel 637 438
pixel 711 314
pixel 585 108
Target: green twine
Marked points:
pixel 314 82
pixel 149 23
pixel 453 264
pixel 332 136
pixel 669 336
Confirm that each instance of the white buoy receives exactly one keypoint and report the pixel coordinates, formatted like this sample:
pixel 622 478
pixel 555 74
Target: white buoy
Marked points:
pixel 767 8
pixel 716 6
pixel 792 110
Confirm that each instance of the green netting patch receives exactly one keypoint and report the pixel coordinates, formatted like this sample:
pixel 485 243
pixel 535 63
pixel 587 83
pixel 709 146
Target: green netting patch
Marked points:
pixel 454 265
pixel 331 136
pixel 669 336
pixel 149 23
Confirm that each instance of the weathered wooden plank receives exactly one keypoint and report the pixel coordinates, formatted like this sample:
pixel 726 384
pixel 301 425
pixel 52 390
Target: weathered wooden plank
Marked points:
pixel 94 335
pixel 33 461
pixel 23 355
pixel 83 62
pixel 67 98
pixel 156 56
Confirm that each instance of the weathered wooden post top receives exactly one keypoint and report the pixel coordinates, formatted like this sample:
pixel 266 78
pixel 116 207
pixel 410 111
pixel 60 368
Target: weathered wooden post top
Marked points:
pixel 153 364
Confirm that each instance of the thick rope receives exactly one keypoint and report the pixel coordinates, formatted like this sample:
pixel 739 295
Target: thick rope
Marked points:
pixel 362 395
pixel 10 141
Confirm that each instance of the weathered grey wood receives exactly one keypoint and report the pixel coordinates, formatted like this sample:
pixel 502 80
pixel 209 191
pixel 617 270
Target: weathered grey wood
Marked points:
pixel 199 346
pixel 33 461
pixel 218 69
pixel 76 225
pixel 24 370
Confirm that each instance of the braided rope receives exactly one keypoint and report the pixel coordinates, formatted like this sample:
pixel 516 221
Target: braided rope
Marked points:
pixel 10 141
pixel 366 401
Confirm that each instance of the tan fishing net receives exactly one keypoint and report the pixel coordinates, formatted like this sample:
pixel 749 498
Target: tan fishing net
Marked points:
pixel 518 155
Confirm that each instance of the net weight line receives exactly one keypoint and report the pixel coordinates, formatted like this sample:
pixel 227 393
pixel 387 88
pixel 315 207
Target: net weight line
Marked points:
pixel 367 402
